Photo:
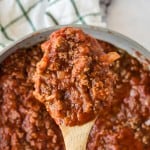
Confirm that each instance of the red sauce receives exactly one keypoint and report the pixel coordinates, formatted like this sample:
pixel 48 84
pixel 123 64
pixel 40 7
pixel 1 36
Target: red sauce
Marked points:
pixel 126 125
pixel 24 122
pixel 73 78
pixel 120 92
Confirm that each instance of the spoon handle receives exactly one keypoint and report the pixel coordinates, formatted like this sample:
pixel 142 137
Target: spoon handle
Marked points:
pixel 76 137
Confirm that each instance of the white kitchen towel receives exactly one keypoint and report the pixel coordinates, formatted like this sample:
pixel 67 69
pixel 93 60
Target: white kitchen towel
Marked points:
pixel 20 17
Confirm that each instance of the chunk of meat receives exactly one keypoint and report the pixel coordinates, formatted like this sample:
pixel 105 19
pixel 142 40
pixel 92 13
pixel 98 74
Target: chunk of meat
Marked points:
pixel 73 78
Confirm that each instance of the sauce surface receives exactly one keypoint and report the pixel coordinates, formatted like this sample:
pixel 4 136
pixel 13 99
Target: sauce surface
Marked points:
pixel 126 124
pixel 24 122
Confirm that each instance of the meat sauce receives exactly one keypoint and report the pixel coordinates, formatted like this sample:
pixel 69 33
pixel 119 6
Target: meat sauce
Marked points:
pixel 126 125
pixel 73 77
pixel 24 122
pixel 123 105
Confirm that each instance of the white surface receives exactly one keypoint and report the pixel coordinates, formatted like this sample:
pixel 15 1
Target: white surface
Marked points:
pixel 131 18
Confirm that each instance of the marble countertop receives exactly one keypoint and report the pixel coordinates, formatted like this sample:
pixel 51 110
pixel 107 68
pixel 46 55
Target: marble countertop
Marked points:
pixel 131 18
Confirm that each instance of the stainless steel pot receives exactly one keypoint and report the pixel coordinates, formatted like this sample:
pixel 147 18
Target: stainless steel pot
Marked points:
pixel 112 37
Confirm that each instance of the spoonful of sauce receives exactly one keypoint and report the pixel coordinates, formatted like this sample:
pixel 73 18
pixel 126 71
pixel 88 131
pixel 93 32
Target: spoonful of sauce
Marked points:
pixel 73 80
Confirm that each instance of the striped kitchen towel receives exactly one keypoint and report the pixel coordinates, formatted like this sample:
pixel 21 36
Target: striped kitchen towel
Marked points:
pixel 20 17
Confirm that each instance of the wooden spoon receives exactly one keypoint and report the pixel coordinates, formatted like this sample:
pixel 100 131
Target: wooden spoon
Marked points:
pixel 76 137
pixel 61 50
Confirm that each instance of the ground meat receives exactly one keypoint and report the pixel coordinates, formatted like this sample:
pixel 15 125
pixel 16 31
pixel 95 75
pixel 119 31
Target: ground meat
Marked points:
pixel 24 122
pixel 127 124
pixel 111 136
pixel 122 124
pixel 73 79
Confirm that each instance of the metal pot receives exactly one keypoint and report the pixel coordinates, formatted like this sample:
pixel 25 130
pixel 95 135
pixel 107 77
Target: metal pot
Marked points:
pixel 112 37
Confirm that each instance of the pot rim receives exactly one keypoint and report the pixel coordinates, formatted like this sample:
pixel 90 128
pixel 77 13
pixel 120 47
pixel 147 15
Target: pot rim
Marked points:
pixel 88 27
